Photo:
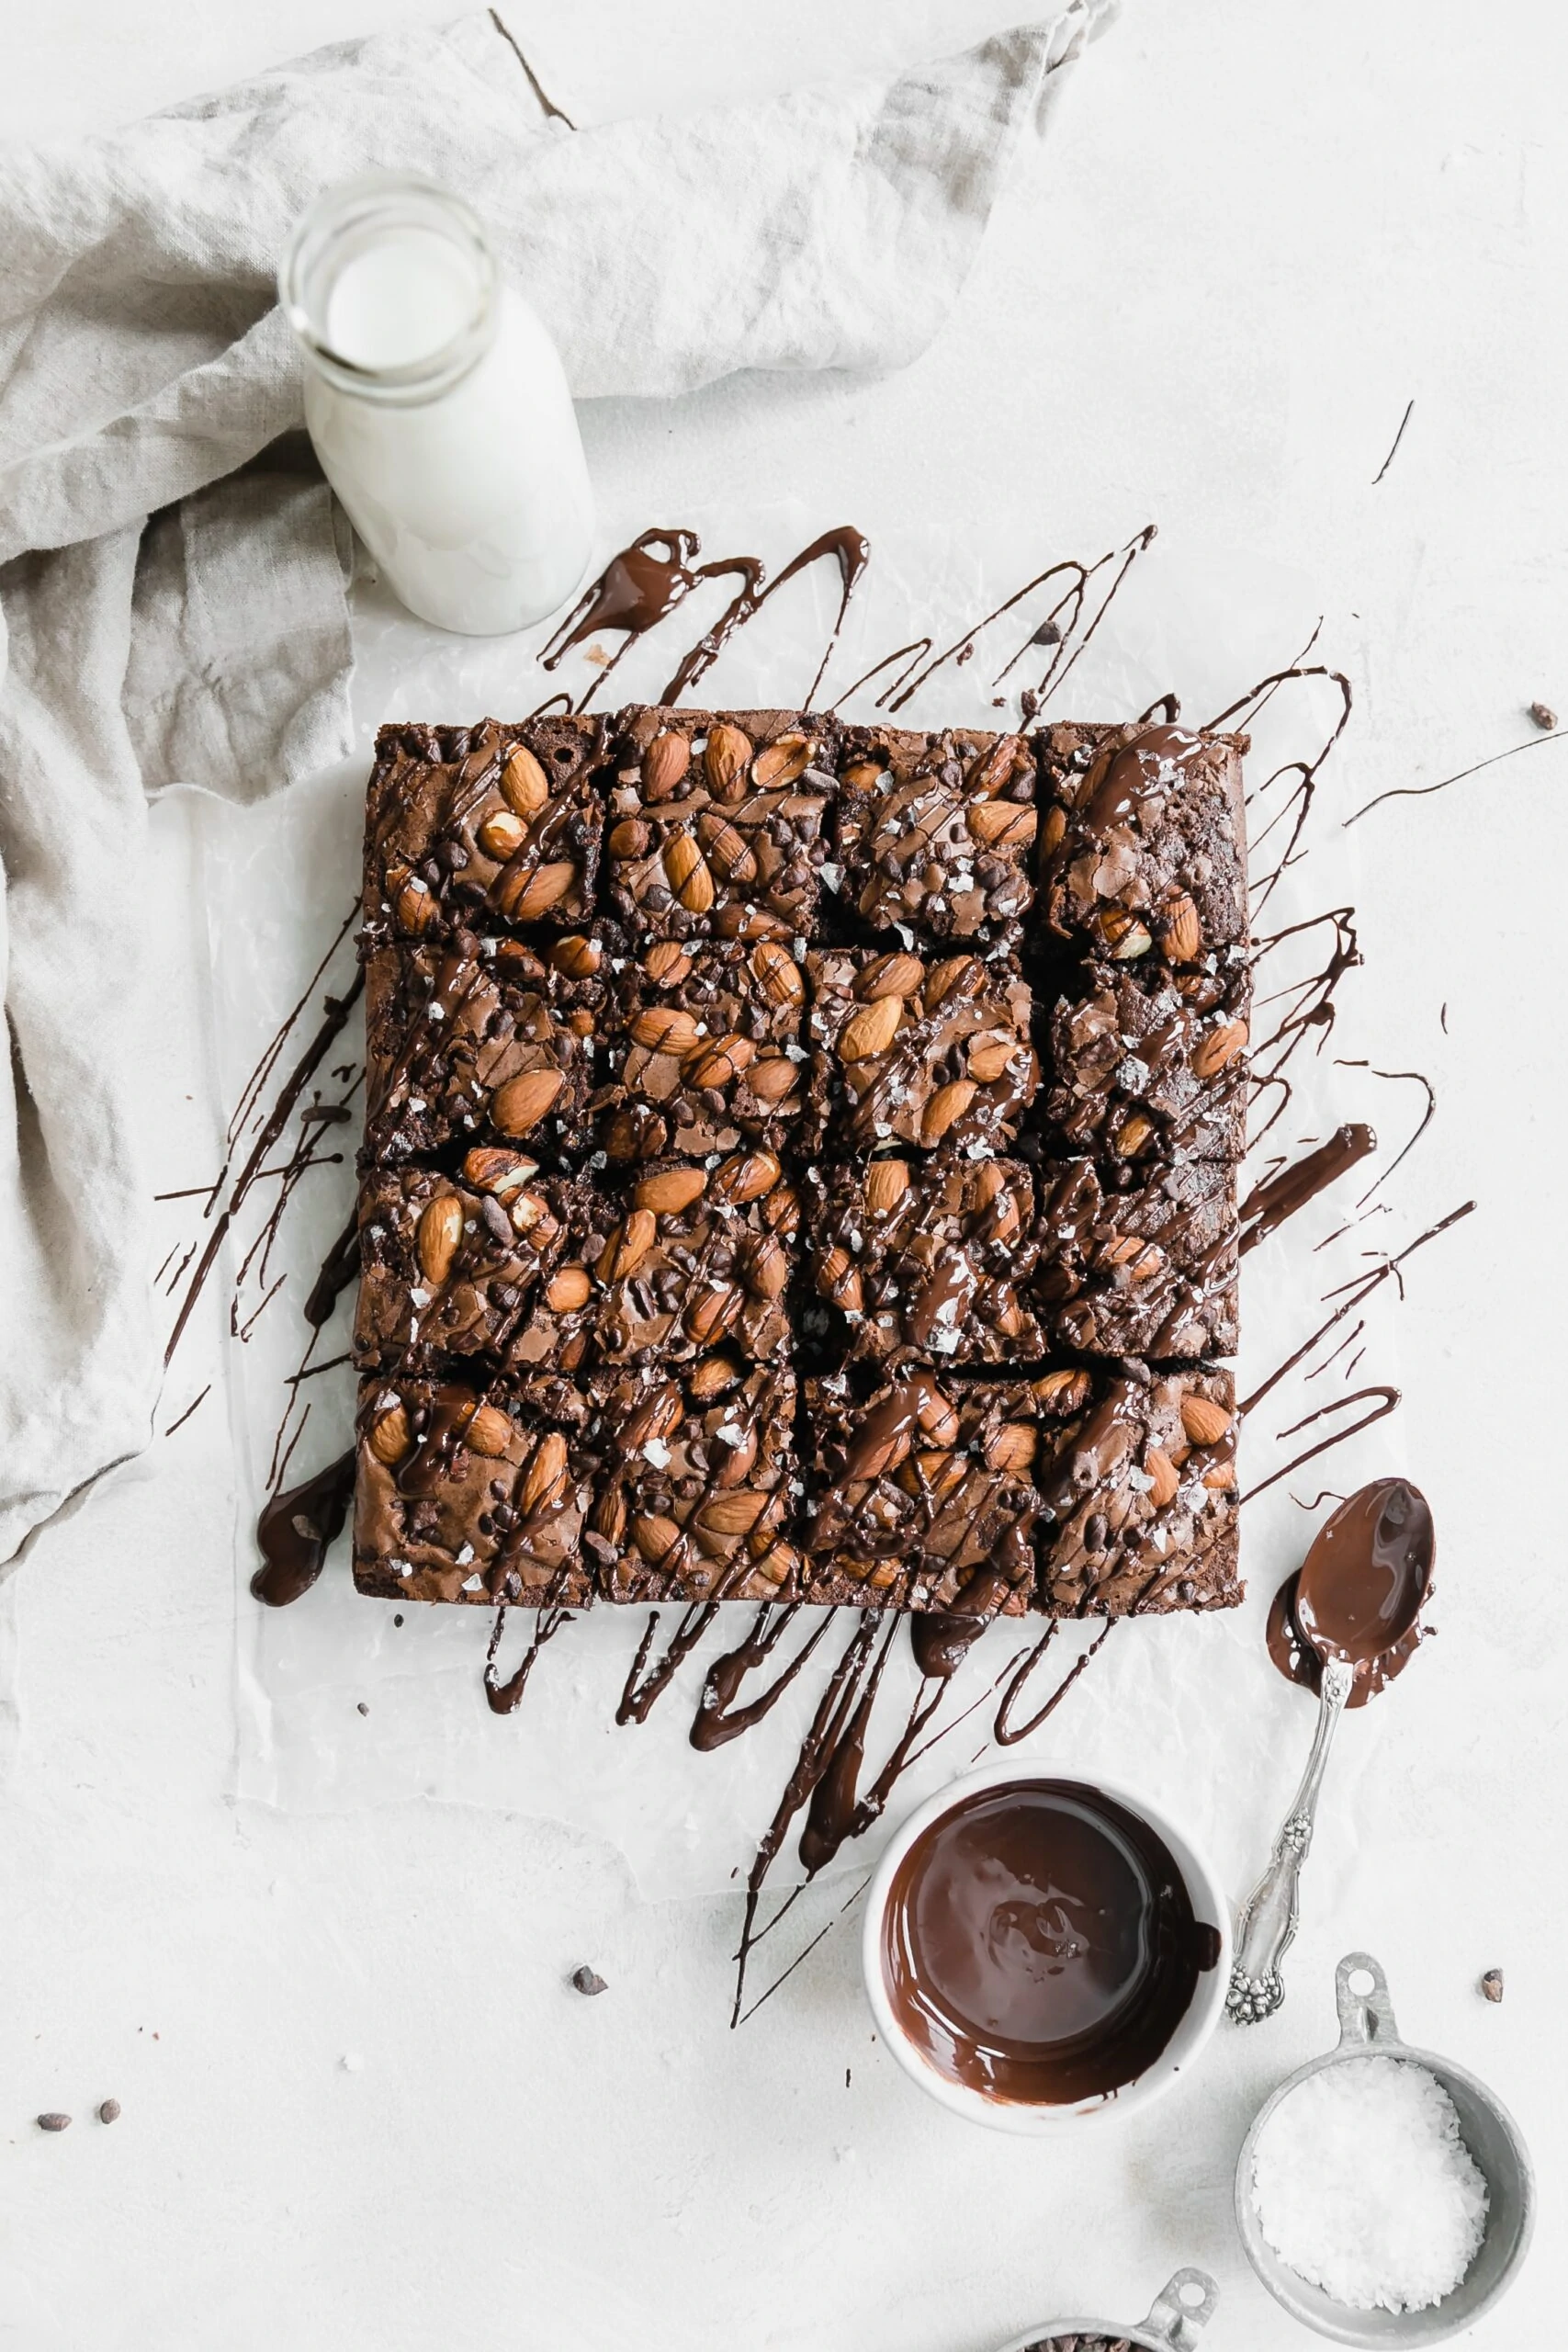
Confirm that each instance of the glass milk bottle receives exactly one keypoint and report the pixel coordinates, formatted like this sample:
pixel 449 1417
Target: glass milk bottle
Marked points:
pixel 437 405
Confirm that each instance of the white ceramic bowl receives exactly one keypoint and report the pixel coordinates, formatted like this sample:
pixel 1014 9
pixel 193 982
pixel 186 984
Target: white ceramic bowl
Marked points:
pixel 1180 2053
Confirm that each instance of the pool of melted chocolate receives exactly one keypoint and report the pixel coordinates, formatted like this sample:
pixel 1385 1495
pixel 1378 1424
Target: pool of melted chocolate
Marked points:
pixel 1039 1944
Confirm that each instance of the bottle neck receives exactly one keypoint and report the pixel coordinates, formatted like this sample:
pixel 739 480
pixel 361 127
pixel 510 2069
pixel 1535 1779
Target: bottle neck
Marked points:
pixel 391 287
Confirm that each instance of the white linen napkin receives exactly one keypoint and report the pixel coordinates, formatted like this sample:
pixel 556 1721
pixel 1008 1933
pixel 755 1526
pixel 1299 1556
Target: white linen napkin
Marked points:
pixel 145 371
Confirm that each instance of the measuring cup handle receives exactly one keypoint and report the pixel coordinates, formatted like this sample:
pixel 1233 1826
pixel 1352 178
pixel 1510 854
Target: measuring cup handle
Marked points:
pixel 1175 2323
pixel 1364 2017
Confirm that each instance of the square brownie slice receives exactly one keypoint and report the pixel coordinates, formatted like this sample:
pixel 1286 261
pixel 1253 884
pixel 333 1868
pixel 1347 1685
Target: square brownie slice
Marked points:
pixel 471 1492
pixel 1135 1480
pixel 926 1256
pixel 703 1051
pixel 1146 1063
pixel 695 1470
pixel 695 1256
pixel 476 1041
pixel 1144 839
pixel 450 1267
pixel 1131 1259
pixel 912 1495
pixel 926 1050
pixel 936 832
pixel 717 824
pixel 483 827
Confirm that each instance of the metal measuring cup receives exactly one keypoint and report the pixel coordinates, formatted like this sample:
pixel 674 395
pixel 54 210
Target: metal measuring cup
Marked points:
pixel 1183 2307
pixel 1367 2029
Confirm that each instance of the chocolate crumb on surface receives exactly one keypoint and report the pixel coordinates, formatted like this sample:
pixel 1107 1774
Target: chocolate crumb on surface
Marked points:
pixel 1492 1985
pixel 587 1980
pixel 55 2122
pixel 1543 716
pixel 109 2111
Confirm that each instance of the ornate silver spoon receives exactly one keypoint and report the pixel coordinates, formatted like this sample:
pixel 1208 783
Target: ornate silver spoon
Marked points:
pixel 1363 1588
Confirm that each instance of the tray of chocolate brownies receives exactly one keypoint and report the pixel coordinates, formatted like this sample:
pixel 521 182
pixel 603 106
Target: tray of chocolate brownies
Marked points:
pixel 800 1163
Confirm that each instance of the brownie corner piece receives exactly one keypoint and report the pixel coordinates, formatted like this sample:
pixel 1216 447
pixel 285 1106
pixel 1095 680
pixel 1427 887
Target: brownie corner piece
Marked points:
pixel 927 1256
pixel 1134 1259
pixel 1137 1479
pixel 929 1051
pixel 717 822
pixel 936 832
pixel 1144 839
pixel 470 1491
pixel 915 1493
pixel 697 1482
pixel 485 827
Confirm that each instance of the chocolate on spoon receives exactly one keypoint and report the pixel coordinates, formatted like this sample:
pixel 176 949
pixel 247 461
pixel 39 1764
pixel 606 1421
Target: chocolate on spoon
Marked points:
pixel 1389 1520
pixel 1355 1614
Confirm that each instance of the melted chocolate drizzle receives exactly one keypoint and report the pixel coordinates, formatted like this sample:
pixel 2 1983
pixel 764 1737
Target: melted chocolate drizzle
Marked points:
pixel 506 1698
pixel 1296 809
pixel 642 585
pixel 1004 1731
pixel 1424 791
pixel 1268 1206
pixel 339 1267
pixel 296 1528
pixel 288 1098
pixel 718 1720
pixel 642 1688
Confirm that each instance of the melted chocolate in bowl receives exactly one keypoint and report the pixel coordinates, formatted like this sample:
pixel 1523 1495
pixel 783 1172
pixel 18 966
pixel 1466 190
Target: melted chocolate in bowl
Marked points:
pixel 1039 1944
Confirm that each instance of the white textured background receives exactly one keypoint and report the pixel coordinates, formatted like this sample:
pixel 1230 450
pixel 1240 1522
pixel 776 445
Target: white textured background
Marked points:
pixel 1255 235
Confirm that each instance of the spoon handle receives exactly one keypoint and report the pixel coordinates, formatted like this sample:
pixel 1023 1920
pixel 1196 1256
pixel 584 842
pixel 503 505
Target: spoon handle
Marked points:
pixel 1267 1923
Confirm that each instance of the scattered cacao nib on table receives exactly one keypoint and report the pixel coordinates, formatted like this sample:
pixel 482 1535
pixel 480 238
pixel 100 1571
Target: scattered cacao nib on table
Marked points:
pixel 800 1165
pixel 1492 1985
